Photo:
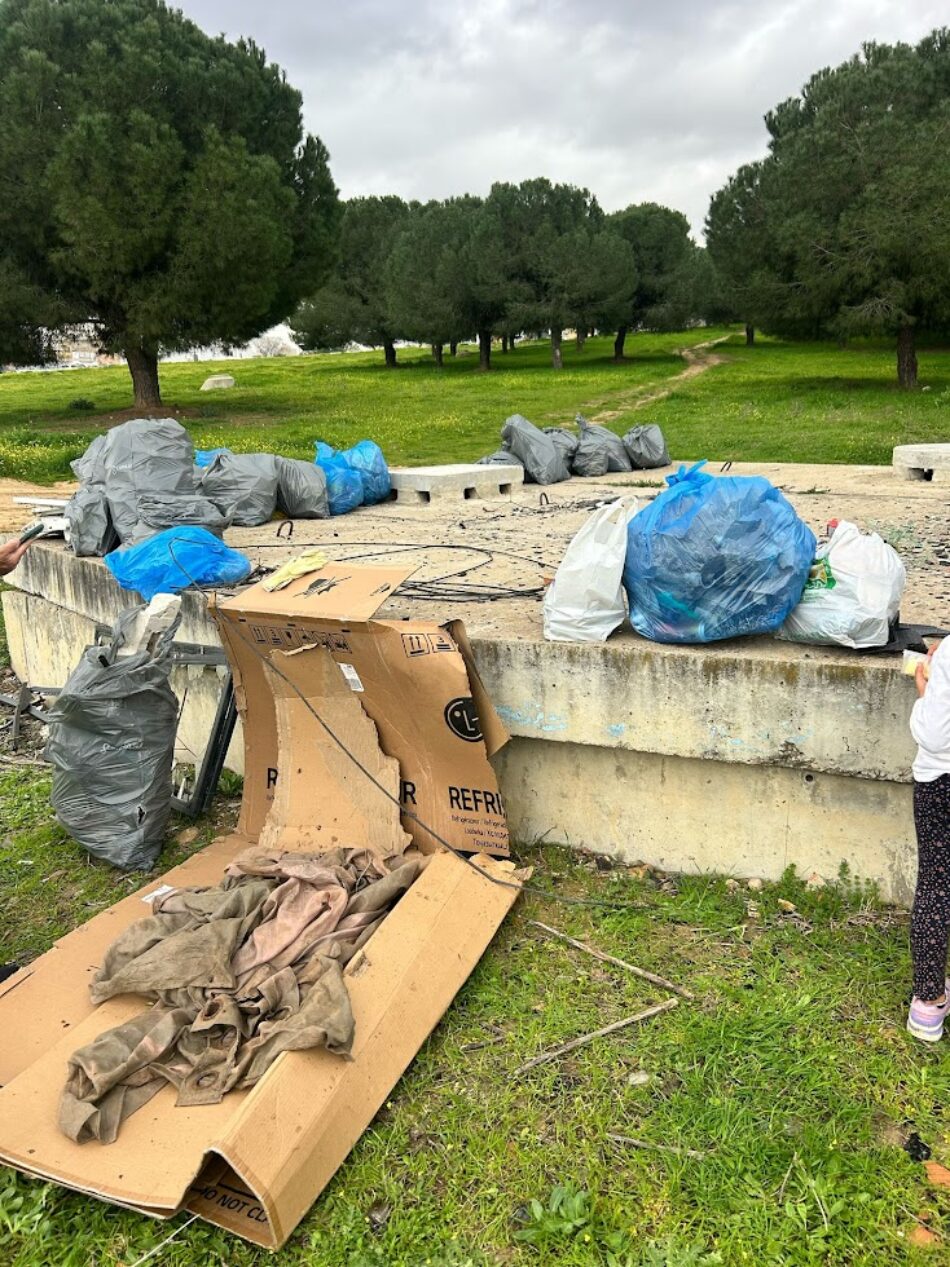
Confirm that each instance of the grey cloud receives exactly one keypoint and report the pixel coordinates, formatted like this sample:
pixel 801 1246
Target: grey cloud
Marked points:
pixel 633 100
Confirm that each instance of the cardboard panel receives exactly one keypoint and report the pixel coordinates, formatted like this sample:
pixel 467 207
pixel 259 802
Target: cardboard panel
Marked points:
pixel 337 591
pixel 414 682
pixel 324 799
pixel 286 1137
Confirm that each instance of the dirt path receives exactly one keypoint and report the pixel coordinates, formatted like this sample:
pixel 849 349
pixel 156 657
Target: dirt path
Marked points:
pixel 698 358
pixel 13 517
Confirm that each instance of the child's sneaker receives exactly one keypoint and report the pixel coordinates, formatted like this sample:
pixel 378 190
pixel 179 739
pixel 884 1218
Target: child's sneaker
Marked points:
pixel 925 1020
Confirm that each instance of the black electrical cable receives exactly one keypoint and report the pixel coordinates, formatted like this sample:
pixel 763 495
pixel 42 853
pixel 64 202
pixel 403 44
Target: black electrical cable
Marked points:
pixel 434 589
pixel 411 814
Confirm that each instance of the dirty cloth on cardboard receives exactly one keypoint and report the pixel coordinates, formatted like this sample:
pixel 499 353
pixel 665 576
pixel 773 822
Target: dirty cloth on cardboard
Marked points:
pixel 238 974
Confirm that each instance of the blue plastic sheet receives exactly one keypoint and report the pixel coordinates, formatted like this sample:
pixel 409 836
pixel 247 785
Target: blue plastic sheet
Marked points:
pixel 366 458
pixel 714 558
pixel 344 485
pixel 204 457
pixel 173 560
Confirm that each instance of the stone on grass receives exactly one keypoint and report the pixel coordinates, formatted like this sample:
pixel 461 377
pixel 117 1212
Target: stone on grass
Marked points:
pixel 217 383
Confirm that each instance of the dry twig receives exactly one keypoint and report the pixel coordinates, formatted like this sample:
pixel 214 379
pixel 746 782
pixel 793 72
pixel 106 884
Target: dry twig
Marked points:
pixel 597 1033
pixel 620 963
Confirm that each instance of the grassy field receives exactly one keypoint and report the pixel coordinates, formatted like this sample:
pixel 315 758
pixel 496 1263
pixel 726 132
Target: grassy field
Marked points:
pixel 790 402
pixel 791 1076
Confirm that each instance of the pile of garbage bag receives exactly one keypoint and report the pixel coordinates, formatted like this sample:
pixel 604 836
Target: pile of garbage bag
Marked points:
pixel 714 558
pixel 554 454
pixel 145 476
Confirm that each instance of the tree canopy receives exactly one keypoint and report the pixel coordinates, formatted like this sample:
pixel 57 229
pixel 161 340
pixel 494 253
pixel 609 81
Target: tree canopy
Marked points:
pixel 354 305
pixel 845 226
pixel 154 182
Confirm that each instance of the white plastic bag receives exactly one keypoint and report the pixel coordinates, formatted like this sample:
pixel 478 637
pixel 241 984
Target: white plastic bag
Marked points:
pixel 585 602
pixel 852 594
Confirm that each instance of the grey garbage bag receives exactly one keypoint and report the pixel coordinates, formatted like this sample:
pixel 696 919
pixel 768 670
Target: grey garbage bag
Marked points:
pixel 501 457
pixel 143 457
pixel 158 511
pixel 91 468
pixel 646 447
pixel 88 522
pixel 302 489
pixel 111 745
pixel 242 486
pixel 594 446
pixel 543 460
pixel 565 440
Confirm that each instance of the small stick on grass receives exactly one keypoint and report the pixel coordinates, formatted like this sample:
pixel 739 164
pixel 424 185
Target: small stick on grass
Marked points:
pixel 620 963
pixel 597 1033
pixel 660 1148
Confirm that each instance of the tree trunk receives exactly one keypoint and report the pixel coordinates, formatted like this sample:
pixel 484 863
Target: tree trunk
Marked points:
pixel 581 338
pixel 390 349
pixel 453 348
pixel 511 342
pixel 484 349
pixel 749 334
pixel 143 366
pixel 556 349
pixel 437 353
pixel 906 358
pixel 504 343
pixel 619 342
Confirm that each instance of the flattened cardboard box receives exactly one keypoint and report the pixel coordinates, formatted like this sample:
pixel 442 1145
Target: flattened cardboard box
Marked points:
pixel 415 679
pixel 255 1162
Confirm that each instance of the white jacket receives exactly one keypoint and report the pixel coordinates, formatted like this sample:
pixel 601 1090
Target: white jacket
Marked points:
pixel 930 720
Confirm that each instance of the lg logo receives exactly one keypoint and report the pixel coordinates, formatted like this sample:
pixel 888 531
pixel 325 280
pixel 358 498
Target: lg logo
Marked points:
pixel 462 719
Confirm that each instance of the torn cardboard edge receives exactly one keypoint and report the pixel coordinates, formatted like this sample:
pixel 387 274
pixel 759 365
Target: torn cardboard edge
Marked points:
pixel 255 1163
pixel 416 680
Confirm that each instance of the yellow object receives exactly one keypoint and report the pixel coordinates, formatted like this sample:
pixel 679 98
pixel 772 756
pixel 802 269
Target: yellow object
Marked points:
pixel 302 565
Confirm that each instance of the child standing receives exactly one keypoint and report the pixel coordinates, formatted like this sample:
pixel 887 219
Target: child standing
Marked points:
pixel 930 919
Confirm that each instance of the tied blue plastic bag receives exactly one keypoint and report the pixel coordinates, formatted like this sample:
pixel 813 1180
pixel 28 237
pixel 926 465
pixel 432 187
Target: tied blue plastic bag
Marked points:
pixel 173 560
pixel 366 458
pixel 344 485
pixel 204 457
pixel 715 558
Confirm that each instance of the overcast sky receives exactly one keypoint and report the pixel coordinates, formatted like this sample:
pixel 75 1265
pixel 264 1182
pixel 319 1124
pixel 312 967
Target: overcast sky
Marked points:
pixel 634 100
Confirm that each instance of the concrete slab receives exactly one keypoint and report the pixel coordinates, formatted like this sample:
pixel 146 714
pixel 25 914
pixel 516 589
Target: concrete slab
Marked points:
pixel 423 485
pixel 741 757
pixel 923 462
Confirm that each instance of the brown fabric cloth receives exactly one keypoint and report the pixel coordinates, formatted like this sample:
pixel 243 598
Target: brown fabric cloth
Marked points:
pixel 237 974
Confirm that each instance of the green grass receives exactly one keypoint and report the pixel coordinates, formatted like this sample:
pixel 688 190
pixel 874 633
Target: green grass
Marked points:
pixel 789 402
pixel 417 413
pixel 791 1072
pixel 774 401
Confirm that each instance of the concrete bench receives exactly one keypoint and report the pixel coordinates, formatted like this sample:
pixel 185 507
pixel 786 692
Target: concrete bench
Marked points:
pixel 923 462
pixel 420 485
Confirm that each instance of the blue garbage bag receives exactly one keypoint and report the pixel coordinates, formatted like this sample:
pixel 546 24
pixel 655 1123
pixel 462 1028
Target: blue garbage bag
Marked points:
pixel 204 457
pixel 715 558
pixel 344 485
pixel 366 458
pixel 173 560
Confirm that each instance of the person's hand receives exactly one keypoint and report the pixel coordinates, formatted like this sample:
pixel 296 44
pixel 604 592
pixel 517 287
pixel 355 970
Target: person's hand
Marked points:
pixel 11 552
pixel 923 669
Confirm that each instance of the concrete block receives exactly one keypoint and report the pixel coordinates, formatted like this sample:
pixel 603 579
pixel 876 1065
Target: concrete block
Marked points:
pixel 923 462
pixel 217 382
pixel 421 485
